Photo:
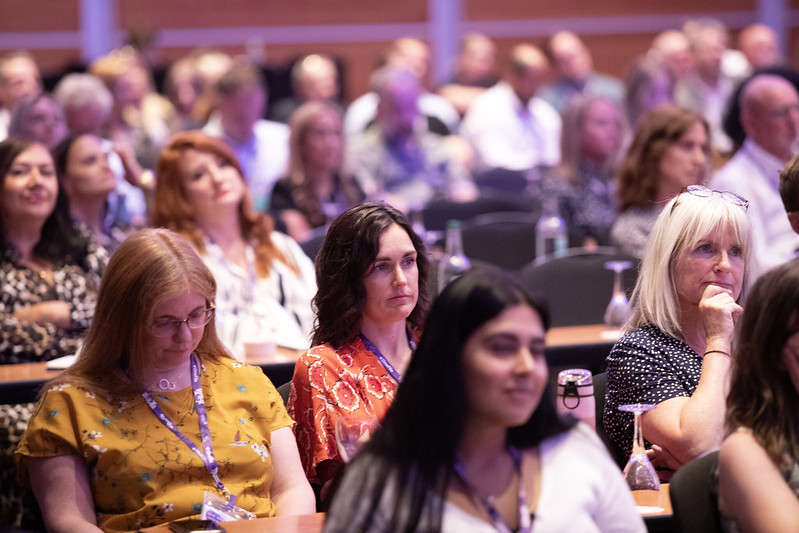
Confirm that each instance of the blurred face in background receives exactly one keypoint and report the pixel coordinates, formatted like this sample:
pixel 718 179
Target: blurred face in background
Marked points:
pixel 397 109
pixel 241 110
pixel 19 78
pixel 29 190
pixel 323 142
pixel 686 161
pixel 88 174
pixel 602 131
pixel 45 123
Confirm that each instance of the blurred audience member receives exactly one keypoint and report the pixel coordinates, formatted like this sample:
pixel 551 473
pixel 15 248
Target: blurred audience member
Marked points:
pixel 397 158
pixel 155 422
pixel 758 469
pixel 183 87
pixel 475 71
pixel 261 146
pixel 649 85
pixel 482 449
pixel 593 131
pixel 758 43
pixel 313 78
pixel 770 118
pixel 673 49
pixel 87 105
pixel 19 78
pixel 574 73
pixel 373 273
pixel 675 351
pixel 85 175
pixel 412 55
pixel 209 66
pixel 140 117
pixel 316 189
pixel 670 150
pixel 509 126
pixel 39 118
pixel 265 281
pixel 707 88
pixel 789 192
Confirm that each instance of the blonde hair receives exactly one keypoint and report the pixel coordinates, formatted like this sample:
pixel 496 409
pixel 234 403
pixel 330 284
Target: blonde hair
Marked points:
pixel 149 267
pixel 684 221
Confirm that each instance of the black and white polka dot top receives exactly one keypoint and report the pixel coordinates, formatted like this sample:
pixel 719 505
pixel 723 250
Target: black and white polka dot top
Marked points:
pixel 646 366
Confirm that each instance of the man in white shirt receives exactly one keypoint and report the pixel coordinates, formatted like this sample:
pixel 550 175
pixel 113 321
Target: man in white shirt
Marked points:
pixel 261 146
pixel 770 119
pixel 509 126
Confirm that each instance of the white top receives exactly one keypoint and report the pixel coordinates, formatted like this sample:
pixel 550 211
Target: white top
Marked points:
pixel 247 313
pixel 582 490
pixel 507 134
pixel 363 110
pixel 264 158
pixel 754 174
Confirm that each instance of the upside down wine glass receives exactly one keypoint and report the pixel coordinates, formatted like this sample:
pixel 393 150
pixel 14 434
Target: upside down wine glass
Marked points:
pixel 639 472
pixel 618 308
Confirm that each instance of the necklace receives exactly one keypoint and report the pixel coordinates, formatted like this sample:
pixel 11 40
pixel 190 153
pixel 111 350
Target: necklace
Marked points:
pixel 165 384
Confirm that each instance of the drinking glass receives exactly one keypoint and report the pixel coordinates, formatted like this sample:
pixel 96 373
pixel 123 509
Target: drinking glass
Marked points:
pixel 618 308
pixel 352 433
pixel 639 472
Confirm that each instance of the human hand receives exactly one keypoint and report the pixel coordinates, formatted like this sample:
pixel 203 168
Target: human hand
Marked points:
pixel 53 312
pixel 720 312
pixel 663 461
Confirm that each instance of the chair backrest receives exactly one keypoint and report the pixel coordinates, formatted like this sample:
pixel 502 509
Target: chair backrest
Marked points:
pixel 600 382
pixel 504 239
pixel 284 390
pixel 437 212
pixel 314 242
pixel 577 286
pixel 693 498
pixel 502 179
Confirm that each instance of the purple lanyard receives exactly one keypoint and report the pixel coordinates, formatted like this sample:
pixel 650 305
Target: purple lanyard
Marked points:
pixel 208 458
pixel 525 519
pixel 382 358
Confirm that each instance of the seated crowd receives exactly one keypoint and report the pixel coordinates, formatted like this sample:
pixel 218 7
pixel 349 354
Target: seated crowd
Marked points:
pixel 127 213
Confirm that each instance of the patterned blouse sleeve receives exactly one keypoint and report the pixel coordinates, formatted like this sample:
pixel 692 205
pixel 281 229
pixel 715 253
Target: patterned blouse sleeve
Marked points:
pixel 83 296
pixel 24 342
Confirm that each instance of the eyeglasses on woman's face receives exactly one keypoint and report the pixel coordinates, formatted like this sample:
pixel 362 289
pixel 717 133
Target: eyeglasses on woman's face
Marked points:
pixel 166 327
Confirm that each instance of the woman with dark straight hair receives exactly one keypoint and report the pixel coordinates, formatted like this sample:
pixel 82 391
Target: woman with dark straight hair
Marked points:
pixel 473 441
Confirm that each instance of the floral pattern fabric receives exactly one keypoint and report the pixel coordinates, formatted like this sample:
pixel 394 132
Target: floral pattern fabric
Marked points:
pixel 328 384
pixel 141 473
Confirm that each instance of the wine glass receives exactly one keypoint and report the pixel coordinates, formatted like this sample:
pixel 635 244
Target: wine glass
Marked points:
pixel 352 433
pixel 639 472
pixel 618 308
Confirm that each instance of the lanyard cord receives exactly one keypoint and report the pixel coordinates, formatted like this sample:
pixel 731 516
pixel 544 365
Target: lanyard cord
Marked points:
pixel 382 358
pixel 487 502
pixel 207 456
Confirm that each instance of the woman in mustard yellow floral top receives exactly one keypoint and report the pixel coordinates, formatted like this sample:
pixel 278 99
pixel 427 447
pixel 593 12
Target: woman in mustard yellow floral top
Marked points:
pixel 155 421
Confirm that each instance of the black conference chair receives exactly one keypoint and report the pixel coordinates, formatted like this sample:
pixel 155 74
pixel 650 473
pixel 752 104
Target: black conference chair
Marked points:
pixel 284 390
pixel 502 179
pixel 600 381
pixel 505 239
pixel 313 244
pixel 437 212
pixel 693 499
pixel 577 286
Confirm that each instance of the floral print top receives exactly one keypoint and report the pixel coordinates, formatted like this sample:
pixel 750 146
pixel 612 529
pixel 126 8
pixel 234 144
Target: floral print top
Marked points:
pixel 328 384
pixel 141 473
pixel 26 342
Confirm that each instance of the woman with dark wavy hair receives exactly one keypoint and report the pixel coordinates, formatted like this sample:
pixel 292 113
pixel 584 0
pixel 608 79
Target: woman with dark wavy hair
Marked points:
pixel 265 280
pixel 473 441
pixel 373 273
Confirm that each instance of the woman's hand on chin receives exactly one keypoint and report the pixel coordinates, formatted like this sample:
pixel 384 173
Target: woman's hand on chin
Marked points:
pixel 720 313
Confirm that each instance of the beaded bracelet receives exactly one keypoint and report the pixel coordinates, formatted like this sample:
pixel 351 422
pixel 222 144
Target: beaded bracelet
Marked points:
pixel 718 351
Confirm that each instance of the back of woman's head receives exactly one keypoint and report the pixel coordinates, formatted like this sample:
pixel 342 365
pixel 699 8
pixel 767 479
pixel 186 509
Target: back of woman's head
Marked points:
pixel 149 267
pixel 762 395
pixel 649 85
pixel 300 123
pixel 685 220
pixel 350 248
pixel 572 136
pixel 654 134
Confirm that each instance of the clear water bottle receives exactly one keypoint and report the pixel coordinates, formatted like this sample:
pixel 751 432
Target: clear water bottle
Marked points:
pixel 454 262
pixel 551 236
